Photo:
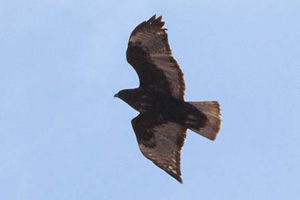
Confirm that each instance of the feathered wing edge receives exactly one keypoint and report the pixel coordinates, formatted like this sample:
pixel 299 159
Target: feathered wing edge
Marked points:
pixel 153 23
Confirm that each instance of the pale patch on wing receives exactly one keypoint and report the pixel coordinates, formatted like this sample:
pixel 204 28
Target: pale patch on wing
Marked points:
pixel 171 69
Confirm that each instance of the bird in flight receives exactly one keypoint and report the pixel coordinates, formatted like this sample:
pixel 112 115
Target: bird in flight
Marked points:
pixel 164 115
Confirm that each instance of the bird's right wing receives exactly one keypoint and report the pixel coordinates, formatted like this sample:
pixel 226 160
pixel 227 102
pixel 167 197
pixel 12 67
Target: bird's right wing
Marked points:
pixel 160 141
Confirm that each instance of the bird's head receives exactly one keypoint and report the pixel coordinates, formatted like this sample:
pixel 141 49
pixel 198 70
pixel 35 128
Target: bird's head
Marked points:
pixel 122 94
pixel 130 96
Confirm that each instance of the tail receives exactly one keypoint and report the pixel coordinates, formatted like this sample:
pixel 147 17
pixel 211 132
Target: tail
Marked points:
pixel 212 111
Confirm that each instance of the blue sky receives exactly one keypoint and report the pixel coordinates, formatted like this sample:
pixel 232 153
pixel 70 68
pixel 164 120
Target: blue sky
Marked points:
pixel 64 136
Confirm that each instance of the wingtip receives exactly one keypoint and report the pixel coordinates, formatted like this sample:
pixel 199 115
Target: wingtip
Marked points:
pixel 152 18
pixel 159 18
pixel 180 180
pixel 157 22
pixel 175 176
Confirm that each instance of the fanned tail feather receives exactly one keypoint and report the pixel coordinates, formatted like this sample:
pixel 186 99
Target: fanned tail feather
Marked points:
pixel 213 113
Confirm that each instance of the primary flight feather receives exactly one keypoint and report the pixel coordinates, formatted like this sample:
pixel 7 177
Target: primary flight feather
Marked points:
pixel 164 117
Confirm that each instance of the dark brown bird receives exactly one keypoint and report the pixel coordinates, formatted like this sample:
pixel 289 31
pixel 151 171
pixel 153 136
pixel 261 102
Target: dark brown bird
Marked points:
pixel 164 117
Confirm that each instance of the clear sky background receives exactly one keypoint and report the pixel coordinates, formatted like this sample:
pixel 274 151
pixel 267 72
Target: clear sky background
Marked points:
pixel 63 135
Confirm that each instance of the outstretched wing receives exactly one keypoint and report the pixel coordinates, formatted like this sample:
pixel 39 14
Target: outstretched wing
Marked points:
pixel 150 55
pixel 160 141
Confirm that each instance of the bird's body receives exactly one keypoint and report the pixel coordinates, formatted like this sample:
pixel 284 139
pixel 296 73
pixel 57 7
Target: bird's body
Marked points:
pixel 161 105
pixel 164 115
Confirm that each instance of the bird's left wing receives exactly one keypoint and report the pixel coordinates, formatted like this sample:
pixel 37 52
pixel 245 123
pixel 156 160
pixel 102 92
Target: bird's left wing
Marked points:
pixel 150 55
pixel 160 141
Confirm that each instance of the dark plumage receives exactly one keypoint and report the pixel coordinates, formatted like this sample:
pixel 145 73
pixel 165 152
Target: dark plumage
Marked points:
pixel 164 117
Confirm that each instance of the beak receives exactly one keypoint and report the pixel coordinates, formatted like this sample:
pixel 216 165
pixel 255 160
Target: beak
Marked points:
pixel 116 95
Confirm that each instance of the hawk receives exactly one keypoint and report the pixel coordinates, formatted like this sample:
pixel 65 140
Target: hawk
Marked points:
pixel 164 117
